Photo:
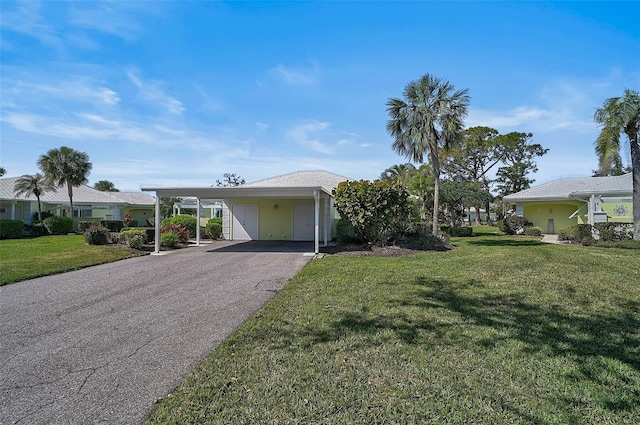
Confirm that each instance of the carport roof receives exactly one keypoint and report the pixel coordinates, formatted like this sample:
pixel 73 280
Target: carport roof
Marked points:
pixel 300 184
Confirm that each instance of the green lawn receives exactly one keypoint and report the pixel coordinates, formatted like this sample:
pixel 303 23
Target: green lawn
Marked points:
pixel 502 330
pixel 22 259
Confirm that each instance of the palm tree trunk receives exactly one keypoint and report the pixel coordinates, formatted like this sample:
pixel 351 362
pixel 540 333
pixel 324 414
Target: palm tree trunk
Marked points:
pixel 70 190
pixel 39 209
pixel 635 173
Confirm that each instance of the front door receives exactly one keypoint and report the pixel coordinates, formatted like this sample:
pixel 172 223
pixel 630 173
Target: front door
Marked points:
pixel 245 222
pixel 550 227
pixel 304 222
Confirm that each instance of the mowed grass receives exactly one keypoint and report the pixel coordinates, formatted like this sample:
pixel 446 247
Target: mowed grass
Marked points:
pixel 22 259
pixel 502 330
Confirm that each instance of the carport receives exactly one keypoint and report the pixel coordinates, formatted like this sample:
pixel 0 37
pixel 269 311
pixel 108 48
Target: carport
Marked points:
pixel 297 206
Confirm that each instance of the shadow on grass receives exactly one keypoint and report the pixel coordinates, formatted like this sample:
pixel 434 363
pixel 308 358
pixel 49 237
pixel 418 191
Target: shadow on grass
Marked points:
pixel 594 342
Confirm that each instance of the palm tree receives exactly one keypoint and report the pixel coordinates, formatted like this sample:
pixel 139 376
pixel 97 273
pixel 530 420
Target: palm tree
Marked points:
pixel 35 184
pixel 621 115
pixel 105 186
pixel 66 166
pixel 430 116
pixel 2 171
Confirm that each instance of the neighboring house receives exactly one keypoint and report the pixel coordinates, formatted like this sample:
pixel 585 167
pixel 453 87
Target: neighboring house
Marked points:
pixel 563 203
pixel 292 207
pixel 89 204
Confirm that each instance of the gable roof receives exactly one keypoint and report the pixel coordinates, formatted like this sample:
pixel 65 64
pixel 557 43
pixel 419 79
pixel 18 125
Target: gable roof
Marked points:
pixel 299 179
pixel 575 188
pixel 300 184
pixel 81 195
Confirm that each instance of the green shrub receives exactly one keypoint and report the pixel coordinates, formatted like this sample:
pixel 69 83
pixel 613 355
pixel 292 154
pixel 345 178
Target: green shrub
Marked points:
pixel 213 229
pixel 587 241
pixel 513 225
pixel 112 225
pixel 376 210
pixel 11 229
pixel 184 221
pixel 169 240
pixel 215 220
pixel 96 235
pixel 45 214
pixel 134 238
pixel 150 232
pixel 576 233
pixel 465 231
pixel 38 229
pixel 614 232
pixel 532 231
pixel 180 232
pixel 83 226
pixel 346 234
pixel 58 225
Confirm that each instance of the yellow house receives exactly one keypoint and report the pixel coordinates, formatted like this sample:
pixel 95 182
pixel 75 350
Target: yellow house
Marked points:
pixel 291 207
pixel 89 204
pixel 566 202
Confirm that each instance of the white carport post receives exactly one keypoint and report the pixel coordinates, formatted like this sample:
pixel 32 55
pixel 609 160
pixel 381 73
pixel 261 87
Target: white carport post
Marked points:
pixel 157 226
pixel 316 197
pixel 198 222
pixel 327 220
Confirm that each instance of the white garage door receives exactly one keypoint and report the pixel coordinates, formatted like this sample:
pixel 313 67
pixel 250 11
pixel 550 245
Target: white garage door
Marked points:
pixel 245 222
pixel 303 222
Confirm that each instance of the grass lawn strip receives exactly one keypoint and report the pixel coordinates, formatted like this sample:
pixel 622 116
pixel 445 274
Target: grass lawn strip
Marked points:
pixel 22 259
pixel 499 331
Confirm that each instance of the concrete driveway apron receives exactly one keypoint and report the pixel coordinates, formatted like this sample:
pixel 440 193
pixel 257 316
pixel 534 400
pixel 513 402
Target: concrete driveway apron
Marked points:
pixel 100 345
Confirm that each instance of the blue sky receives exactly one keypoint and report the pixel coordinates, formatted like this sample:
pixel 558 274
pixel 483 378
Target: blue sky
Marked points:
pixel 179 93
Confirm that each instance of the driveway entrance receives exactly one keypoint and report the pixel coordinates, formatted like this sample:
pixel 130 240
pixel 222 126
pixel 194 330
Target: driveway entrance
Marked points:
pixel 100 345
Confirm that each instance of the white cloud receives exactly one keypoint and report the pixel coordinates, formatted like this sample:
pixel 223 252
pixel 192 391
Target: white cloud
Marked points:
pixel 152 91
pixel 75 89
pixel 27 19
pixel 306 135
pixel 297 76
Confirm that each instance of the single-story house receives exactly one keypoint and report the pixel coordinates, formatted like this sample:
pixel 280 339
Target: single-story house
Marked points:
pixel 89 204
pixel 291 207
pixel 567 202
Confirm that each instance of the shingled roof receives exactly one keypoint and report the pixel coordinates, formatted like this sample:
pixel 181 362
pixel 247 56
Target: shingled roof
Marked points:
pixel 301 179
pixel 81 195
pixel 568 188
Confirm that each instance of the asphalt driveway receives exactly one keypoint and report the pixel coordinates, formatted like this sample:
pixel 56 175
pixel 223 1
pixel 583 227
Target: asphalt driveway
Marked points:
pixel 102 344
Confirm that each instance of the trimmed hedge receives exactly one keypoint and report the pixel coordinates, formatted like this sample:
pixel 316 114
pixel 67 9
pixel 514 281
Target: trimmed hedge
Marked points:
pixel 213 229
pixel 58 225
pixel 532 231
pixel 134 238
pixel 11 229
pixel 149 231
pixel 112 225
pixel 614 232
pixel 169 240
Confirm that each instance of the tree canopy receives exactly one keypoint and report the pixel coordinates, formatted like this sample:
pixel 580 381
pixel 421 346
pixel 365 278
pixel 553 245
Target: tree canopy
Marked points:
pixel 230 179
pixel 66 166
pixel 616 116
pixel 105 186
pixel 33 184
pixel 429 116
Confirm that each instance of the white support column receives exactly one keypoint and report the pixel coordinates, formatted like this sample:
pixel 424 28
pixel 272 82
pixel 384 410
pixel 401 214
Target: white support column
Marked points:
pixel 13 210
pixel 157 226
pixel 198 222
pixel 316 197
pixel 327 221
